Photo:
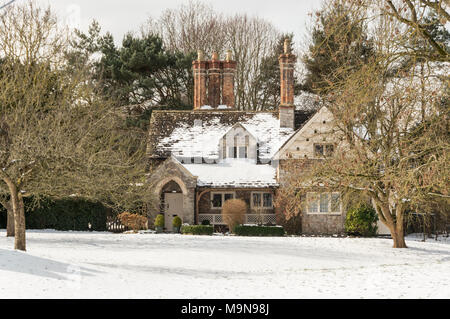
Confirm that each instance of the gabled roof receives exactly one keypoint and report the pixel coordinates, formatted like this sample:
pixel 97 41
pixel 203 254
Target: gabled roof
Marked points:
pixel 300 131
pixel 189 134
pixel 243 127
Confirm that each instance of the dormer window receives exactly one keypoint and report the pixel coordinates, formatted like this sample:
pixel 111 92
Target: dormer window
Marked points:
pixel 240 146
pixel 238 143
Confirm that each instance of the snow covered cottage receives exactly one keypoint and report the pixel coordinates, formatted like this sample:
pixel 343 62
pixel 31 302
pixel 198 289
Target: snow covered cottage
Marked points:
pixel 203 157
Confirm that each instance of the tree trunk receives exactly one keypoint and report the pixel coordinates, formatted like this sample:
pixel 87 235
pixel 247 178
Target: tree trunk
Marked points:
pixel 10 221
pixel 19 222
pixel 399 238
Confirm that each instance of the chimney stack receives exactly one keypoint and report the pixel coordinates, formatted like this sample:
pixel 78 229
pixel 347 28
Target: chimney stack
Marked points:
pixel 200 77
pixel 214 81
pixel 287 64
pixel 215 76
pixel 229 69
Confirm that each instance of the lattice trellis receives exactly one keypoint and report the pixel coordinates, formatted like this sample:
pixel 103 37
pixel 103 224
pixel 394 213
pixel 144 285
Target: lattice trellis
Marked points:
pixel 249 219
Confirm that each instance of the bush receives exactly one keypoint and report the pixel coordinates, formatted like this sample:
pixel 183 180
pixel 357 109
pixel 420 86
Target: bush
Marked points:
pixel 271 231
pixel 63 214
pixel 133 221
pixel 206 222
pixel 197 230
pixel 292 225
pixel 159 221
pixel 177 222
pixel 361 221
pixel 233 212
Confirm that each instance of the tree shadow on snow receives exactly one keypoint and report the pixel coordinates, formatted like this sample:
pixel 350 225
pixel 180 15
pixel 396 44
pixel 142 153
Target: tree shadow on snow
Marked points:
pixel 21 262
pixel 180 271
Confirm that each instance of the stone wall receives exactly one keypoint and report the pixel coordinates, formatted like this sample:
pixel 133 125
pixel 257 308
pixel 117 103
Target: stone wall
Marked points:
pixel 323 224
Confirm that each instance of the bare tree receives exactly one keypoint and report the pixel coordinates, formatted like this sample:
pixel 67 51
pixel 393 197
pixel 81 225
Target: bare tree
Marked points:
pixel 189 28
pixel 58 138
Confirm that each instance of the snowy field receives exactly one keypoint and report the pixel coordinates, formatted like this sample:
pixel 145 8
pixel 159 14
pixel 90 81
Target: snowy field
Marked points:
pixel 105 265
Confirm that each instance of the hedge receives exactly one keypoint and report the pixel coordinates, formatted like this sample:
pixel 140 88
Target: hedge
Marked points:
pixel 64 214
pixel 197 230
pixel 243 230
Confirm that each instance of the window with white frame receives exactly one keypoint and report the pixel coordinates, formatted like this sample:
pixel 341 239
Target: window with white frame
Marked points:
pixel 323 203
pixel 238 147
pixel 262 200
pixel 219 198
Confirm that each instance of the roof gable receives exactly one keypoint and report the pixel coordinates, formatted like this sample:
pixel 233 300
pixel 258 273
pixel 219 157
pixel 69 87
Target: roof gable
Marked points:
pixel 237 125
pixel 323 111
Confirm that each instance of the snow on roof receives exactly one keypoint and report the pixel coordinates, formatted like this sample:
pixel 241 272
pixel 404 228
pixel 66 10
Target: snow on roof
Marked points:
pixel 199 136
pixel 234 173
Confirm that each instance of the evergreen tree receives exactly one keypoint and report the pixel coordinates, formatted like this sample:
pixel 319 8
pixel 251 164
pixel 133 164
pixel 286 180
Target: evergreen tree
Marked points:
pixel 347 36
pixel 139 76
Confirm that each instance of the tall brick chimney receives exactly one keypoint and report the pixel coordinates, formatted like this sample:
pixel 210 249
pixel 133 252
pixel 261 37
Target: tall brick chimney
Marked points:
pixel 287 64
pixel 200 79
pixel 229 69
pixel 215 76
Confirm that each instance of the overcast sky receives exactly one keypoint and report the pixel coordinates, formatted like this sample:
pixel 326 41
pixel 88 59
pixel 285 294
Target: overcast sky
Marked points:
pixel 120 16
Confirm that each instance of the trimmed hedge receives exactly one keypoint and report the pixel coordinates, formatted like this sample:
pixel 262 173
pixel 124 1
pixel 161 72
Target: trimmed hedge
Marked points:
pixel 197 230
pixel 65 214
pixel 242 230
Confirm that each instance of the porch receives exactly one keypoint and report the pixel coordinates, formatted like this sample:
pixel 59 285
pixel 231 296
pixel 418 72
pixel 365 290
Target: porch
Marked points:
pixel 216 219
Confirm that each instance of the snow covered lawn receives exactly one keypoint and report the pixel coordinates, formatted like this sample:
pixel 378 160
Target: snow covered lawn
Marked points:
pixel 105 265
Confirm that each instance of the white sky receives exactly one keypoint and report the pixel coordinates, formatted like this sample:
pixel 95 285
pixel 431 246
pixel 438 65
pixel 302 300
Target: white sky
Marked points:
pixel 121 16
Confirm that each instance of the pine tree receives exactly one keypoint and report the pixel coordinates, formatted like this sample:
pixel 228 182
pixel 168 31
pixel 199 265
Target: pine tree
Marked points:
pixel 346 35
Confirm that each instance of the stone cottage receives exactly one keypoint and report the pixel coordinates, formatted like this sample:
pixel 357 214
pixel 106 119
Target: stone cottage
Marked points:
pixel 203 157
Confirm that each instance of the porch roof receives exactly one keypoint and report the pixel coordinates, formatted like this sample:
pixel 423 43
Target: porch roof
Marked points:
pixel 234 173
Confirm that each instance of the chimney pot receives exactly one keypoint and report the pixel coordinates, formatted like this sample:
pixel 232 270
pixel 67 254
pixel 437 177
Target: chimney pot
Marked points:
pixel 229 56
pixel 200 55
pixel 287 46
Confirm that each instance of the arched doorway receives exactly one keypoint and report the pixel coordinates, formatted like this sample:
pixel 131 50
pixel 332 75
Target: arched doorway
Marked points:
pixel 171 194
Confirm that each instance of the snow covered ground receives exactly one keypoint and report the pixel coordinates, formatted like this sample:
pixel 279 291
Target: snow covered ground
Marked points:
pixel 105 265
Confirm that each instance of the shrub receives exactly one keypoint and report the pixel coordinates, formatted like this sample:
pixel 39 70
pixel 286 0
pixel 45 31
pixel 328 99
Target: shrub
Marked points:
pixel 233 212
pixel 361 221
pixel 292 224
pixel 177 222
pixel 159 221
pixel 197 230
pixel 206 222
pixel 272 231
pixel 133 221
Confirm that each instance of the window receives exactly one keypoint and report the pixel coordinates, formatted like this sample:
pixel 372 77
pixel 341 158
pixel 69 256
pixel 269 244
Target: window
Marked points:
pixel 236 146
pixel 262 200
pixel 313 206
pixel 335 203
pixel 217 199
pixel 324 203
pixel 243 152
pixel 256 199
pixel 323 150
pixel 267 200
